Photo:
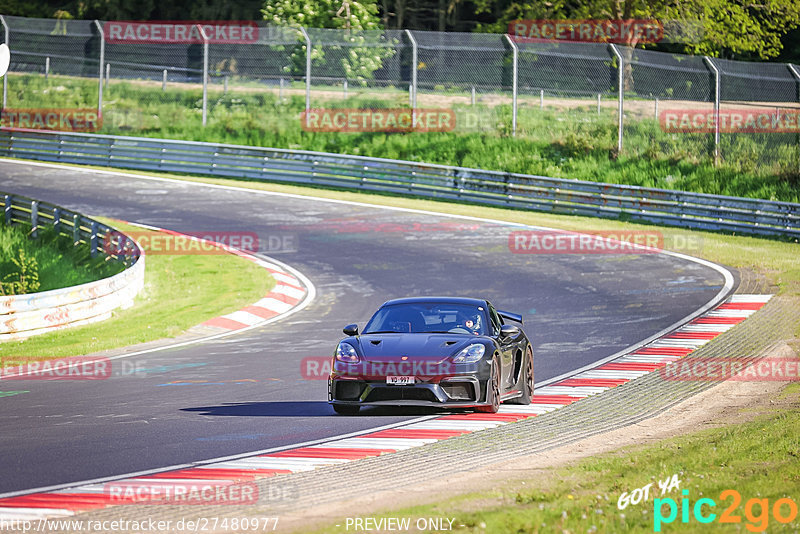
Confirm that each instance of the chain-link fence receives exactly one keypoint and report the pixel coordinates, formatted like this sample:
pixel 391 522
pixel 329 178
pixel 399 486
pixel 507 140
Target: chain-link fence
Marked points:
pixel 582 97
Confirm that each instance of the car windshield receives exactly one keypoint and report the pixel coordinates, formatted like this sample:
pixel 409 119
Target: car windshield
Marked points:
pixel 428 318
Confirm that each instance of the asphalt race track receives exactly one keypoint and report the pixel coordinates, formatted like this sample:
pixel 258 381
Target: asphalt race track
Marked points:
pixel 245 392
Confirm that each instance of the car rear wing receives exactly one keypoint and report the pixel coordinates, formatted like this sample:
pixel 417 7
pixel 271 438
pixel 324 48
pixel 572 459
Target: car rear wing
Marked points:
pixel 510 316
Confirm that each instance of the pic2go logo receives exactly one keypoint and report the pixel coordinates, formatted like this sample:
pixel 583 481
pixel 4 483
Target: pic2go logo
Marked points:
pixel 783 510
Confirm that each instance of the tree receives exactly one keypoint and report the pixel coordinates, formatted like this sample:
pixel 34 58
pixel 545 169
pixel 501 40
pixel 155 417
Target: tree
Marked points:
pixel 348 53
pixel 729 27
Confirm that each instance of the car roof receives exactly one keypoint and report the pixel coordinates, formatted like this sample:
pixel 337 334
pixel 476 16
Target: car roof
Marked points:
pixel 436 300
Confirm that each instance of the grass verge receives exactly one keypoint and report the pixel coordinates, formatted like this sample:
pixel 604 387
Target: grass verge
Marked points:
pixel 58 264
pixel 758 459
pixel 180 291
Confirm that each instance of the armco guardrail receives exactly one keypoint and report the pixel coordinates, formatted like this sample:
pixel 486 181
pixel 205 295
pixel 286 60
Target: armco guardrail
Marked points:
pixel 554 195
pixel 26 315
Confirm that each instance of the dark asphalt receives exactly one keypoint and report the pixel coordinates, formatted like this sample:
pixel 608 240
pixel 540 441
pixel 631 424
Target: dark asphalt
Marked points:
pixel 245 392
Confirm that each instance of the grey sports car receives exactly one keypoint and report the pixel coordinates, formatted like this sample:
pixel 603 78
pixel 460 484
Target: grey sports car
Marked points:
pixel 433 351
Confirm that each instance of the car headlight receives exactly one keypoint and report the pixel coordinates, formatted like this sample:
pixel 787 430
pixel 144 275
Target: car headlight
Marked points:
pixel 346 353
pixel 470 354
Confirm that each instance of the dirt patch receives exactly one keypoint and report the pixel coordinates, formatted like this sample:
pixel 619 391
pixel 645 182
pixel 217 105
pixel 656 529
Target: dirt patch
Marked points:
pixel 728 403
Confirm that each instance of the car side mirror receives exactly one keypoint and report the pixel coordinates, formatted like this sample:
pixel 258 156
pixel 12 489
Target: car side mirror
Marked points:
pixel 350 330
pixel 509 331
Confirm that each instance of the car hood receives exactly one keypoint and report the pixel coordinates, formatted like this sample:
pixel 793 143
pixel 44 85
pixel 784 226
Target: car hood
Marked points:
pixel 424 347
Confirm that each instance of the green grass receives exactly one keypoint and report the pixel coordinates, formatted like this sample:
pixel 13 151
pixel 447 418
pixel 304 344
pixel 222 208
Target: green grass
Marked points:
pixel 59 264
pixel 575 143
pixel 758 459
pixel 180 291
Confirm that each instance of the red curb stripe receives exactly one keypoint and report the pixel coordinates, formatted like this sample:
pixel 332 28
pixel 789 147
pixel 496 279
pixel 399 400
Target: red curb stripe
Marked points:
pixel 283 298
pixel 60 501
pixel 592 382
pixel 631 366
pixel 554 399
pixel 669 351
pixel 478 416
pixel 260 312
pixel 416 433
pixel 224 322
pixel 718 320
pixel 692 335
pixel 195 473
pixel 329 452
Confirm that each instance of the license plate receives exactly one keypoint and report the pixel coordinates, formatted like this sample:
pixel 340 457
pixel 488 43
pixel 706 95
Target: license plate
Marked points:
pixel 400 380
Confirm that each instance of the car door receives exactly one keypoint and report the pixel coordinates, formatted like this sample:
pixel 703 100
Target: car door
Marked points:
pixel 506 351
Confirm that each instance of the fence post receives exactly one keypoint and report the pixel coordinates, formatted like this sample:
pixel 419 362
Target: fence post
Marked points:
pixel 47 67
pixel 34 219
pixel 205 73
pixel 414 61
pixel 308 71
pixel 796 74
pixel 164 80
pixel 108 73
pixel 515 73
pixel 57 220
pixel 621 91
pixel 102 61
pixel 5 78
pixel 8 201
pixel 717 93
pixel 93 240
pixel 76 229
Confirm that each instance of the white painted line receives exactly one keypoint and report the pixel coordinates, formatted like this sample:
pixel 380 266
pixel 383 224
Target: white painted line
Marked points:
pixel 380 443
pixel 731 313
pixel 612 374
pixel 272 304
pixel 581 391
pixel 535 409
pixel 646 358
pixel 750 298
pixel 715 328
pixel 285 278
pixel 679 343
pixel 289 291
pixel 271 266
pixel 438 424
pixel 7 513
pixel 244 317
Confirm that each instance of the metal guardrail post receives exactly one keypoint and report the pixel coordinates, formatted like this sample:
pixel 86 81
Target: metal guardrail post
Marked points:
pixel 796 75
pixel 57 220
pixel 717 94
pixel 102 61
pixel 5 78
pixel 205 73
pixel 414 63
pixel 7 201
pixel 308 71
pixel 93 240
pixel 621 91
pixel 34 219
pixel 515 72
pixel 76 229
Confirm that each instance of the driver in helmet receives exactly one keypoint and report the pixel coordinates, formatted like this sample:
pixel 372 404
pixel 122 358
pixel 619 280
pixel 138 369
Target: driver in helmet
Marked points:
pixel 471 322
